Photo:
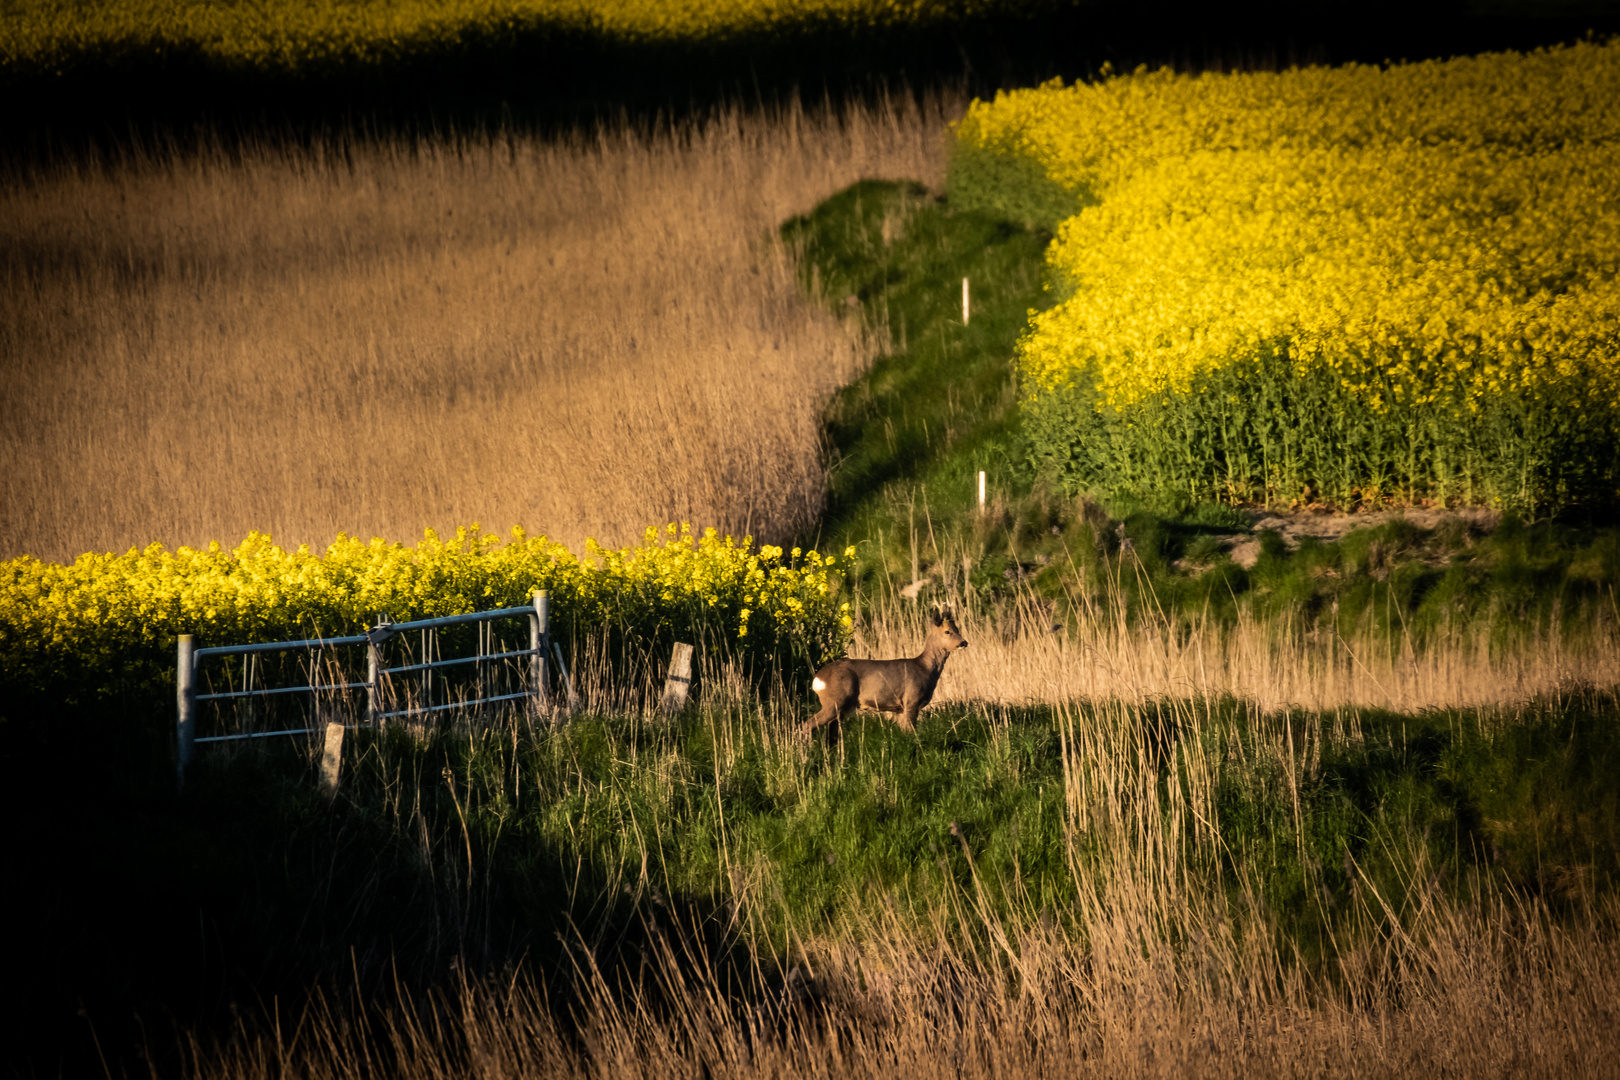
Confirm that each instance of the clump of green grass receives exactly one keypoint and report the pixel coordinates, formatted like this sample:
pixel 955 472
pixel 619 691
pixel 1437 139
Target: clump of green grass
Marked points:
pixel 905 441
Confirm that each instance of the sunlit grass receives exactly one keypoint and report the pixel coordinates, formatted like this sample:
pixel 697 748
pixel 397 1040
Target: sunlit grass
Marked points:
pixel 580 336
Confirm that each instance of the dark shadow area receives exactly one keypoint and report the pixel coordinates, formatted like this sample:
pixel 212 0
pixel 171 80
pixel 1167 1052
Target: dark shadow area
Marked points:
pixel 544 76
pixel 145 919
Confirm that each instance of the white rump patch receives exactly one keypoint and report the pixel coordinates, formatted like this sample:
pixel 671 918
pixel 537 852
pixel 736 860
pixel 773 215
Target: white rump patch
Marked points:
pixel 817 684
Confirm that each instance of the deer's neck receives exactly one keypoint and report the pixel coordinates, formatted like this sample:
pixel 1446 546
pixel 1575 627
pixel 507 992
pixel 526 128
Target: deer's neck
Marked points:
pixel 933 657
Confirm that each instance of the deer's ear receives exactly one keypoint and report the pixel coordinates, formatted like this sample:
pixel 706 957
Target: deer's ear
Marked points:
pixel 936 618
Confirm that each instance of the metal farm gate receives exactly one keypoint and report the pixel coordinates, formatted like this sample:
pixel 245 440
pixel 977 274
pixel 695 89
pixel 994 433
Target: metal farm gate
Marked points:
pixel 379 682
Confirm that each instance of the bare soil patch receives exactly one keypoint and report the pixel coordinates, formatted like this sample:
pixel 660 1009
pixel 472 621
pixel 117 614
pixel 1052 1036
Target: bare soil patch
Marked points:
pixel 1330 526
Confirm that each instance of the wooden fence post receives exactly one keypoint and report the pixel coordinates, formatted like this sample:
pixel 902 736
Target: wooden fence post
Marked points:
pixel 679 680
pixel 331 759
pixel 186 698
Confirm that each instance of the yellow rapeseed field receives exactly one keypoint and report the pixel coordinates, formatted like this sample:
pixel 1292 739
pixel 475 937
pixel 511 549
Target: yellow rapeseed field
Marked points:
pixel 1418 274
pixel 1361 283
pixel 108 611
pixel 276 35
pixel 1091 137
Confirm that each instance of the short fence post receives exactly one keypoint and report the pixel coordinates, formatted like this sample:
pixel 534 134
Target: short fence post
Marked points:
pixel 964 301
pixel 186 698
pixel 539 640
pixel 981 491
pixel 331 759
pixel 679 680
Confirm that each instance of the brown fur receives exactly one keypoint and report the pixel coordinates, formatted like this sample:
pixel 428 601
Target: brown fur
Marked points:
pixel 902 687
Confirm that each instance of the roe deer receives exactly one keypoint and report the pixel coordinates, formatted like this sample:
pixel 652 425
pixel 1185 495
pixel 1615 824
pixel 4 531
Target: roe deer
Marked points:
pixel 902 687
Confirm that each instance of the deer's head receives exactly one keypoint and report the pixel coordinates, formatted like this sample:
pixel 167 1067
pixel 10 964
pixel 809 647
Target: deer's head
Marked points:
pixel 945 635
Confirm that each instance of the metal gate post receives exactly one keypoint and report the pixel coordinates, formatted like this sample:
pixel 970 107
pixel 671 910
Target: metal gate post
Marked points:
pixel 373 690
pixel 185 728
pixel 539 639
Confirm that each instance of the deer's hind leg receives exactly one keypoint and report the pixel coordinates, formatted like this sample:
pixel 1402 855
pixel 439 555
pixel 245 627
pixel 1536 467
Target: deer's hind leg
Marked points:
pixel 834 707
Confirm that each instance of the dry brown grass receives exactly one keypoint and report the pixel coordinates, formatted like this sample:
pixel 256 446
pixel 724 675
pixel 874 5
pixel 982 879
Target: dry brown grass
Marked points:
pixel 584 337
pixel 1492 993
pixel 1015 655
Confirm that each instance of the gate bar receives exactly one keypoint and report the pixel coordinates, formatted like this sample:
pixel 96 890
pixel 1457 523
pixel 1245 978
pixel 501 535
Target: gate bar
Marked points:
pixel 190 658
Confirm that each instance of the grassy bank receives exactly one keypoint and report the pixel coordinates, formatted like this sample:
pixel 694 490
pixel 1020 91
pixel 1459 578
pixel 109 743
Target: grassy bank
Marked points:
pixel 936 406
pixel 723 807
pixel 1310 837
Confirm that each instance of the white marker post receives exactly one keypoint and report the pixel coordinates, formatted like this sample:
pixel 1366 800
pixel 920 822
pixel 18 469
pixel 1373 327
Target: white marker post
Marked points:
pixel 981 491
pixel 965 311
